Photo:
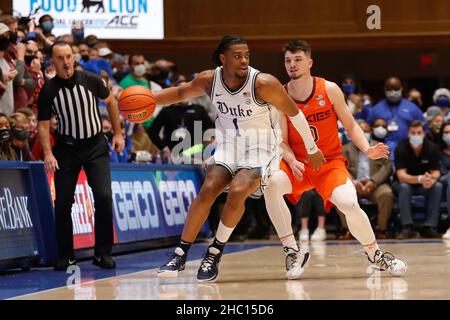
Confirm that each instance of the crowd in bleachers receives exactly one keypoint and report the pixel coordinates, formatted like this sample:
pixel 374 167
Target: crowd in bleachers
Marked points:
pixel 414 179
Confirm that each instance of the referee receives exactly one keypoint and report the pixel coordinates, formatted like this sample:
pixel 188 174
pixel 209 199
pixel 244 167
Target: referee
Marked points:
pixel 80 143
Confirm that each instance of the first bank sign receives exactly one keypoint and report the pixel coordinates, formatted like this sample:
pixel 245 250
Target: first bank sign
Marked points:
pixel 107 19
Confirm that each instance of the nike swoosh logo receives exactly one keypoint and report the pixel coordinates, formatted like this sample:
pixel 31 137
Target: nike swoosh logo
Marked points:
pixel 72 261
pixel 218 95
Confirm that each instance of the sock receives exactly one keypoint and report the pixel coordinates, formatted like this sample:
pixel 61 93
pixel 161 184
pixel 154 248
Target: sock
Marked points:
pixel 185 246
pixel 371 249
pixel 289 241
pixel 216 247
pixel 223 233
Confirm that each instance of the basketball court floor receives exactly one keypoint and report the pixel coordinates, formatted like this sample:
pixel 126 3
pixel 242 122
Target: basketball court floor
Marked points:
pixel 250 271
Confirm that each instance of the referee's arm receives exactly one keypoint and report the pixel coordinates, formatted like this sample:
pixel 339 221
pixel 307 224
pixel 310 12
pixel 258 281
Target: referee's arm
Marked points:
pixel 118 141
pixel 44 115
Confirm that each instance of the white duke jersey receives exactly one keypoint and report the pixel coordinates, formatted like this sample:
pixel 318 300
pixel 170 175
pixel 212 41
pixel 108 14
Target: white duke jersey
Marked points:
pixel 240 115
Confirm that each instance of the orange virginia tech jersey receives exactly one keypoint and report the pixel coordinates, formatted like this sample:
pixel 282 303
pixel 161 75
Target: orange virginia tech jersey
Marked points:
pixel 323 122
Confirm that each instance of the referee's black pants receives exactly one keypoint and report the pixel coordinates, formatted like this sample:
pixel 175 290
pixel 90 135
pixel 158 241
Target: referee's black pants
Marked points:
pixel 93 156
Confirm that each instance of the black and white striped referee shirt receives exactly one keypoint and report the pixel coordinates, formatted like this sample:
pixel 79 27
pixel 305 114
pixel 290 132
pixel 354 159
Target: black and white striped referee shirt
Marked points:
pixel 74 103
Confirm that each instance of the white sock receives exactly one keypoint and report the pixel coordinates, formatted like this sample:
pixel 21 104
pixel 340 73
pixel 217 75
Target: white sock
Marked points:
pixel 345 199
pixel 279 185
pixel 223 232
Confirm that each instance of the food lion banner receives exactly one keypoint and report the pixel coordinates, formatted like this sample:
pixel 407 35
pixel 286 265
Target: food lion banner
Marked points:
pixel 107 19
pixel 148 203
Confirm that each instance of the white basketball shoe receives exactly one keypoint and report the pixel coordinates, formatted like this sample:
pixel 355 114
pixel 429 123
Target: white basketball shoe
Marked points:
pixel 296 260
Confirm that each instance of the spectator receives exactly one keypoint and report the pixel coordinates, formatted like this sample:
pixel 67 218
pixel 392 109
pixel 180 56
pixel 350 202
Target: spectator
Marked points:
pixel 371 178
pixel 46 23
pixel 8 74
pixel 20 135
pixel 379 130
pixel 6 150
pixel 33 67
pixel 417 165
pixel 141 140
pixel 359 107
pixel 136 77
pixel 32 124
pixel 91 40
pixel 119 67
pixel 435 124
pixel 83 50
pixel 108 132
pixel 396 111
pixel 78 32
pixel 441 98
pixel 415 96
pixel 96 64
pixel 38 153
pixel 445 167
pixel 310 204
pixel 178 121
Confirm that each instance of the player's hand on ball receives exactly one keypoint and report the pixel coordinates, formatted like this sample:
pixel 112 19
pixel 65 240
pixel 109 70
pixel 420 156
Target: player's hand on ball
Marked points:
pixel 317 159
pixel 297 169
pixel 118 142
pixel 378 151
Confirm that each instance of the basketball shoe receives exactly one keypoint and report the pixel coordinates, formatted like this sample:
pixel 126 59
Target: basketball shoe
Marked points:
pixel 209 268
pixel 295 262
pixel 175 264
pixel 387 262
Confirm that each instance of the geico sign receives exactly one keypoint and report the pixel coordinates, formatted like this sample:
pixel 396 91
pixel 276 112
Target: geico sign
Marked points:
pixel 135 203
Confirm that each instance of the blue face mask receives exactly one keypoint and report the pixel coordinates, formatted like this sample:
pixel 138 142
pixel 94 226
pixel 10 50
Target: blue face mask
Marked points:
pixel 349 88
pixel 416 140
pixel 442 102
pixel 78 34
pixel 47 26
pixel 446 138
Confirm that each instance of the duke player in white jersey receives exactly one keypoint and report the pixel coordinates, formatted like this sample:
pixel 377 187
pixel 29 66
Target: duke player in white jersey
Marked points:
pixel 247 150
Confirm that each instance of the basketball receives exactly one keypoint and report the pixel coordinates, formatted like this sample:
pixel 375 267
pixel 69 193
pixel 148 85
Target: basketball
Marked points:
pixel 137 104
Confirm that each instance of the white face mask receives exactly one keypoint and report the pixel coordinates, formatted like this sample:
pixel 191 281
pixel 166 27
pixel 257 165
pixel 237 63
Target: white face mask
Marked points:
pixel 367 135
pixel 380 132
pixel 50 75
pixel 77 57
pixel 139 70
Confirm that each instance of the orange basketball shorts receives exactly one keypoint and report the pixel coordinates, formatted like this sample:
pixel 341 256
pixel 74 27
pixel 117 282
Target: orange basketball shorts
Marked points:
pixel 331 175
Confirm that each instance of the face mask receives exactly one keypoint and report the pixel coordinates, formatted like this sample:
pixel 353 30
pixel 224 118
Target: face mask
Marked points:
pixel 416 140
pixel 442 102
pixel 4 43
pixel 393 96
pixel 28 59
pixel 446 138
pixel 367 135
pixel 139 70
pixel 78 35
pixel 13 37
pixel 85 57
pixel 380 132
pixel 21 135
pixel 77 57
pixel 416 102
pixel 5 135
pixel 50 75
pixel 436 128
pixel 109 135
pixel 348 88
pixel 47 26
